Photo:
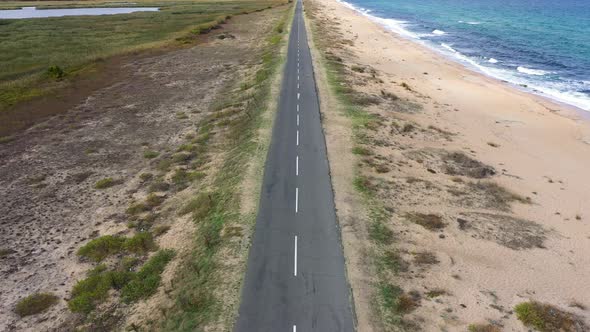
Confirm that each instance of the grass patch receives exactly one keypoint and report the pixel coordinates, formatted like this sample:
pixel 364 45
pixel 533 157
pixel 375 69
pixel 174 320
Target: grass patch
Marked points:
pixel 140 243
pixel 199 206
pixel 380 233
pixel 105 183
pixel 160 230
pixel 545 317
pixel 33 52
pixel 431 222
pixel 89 292
pixel 150 154
pixel 146 281
pixel 362 151
pixel 425 258
pixel 396 303
pixel 100 248
pixel 483 328
pixel 436 293
pixel 458 163
pixel 497 196
pixel 391 260
pixel 35 303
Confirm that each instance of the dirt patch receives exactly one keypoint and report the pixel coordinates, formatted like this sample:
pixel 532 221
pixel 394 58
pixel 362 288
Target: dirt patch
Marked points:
pixel 506 230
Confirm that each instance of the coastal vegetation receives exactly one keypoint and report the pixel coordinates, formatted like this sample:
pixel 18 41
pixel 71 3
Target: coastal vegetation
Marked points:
pixel 42 56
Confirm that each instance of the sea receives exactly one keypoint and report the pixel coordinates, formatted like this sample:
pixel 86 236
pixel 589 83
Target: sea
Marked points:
pixel 542 46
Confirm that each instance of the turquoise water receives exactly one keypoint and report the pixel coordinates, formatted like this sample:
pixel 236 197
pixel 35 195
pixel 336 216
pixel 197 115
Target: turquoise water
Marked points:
pixel 541 45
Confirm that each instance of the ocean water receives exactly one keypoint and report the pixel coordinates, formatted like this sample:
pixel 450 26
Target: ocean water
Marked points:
pixel 542 46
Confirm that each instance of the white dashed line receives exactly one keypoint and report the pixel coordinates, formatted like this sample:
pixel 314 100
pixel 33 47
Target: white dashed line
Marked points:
pixel 294 328
pixel 296 200
pixel 297 86
pixel 297 137
pixel 297 166
pixel 297 120
pixel 295 265
pixel 297 108
pixel 298 95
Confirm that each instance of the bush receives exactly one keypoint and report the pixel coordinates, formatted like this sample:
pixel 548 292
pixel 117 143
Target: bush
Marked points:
pixel 150 154
pixel 35 303
pixel 104 183
pixel 147 280
pixel 140 243
pixel 102 247
pixel 55 72
pixel 199 206
pixel 545 318
pixel 87 293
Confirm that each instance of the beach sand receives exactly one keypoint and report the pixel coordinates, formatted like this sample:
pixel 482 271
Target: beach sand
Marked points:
pixel 490 254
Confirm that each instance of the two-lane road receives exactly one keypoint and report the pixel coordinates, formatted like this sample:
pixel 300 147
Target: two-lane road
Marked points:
pixel 296 278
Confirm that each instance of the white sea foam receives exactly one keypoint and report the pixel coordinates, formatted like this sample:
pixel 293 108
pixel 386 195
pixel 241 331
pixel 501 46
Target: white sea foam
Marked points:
pixel 492 60
pixel 470 22
pixel 438 32
pixel 529 71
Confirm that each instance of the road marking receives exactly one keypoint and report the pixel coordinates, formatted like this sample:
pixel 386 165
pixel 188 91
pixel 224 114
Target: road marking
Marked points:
pixel 295 264
pixel 298 95
pixel 298 76
pixel 297 120
pixel 297 107
pixel 294 328
pixel 297 137
pixel 296 200
pixel 297 166
pixel 297 86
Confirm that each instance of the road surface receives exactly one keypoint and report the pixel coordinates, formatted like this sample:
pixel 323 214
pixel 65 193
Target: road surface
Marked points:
pixel 295 279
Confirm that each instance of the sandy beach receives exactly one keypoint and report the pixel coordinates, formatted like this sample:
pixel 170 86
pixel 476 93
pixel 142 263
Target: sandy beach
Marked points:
pixel 489 254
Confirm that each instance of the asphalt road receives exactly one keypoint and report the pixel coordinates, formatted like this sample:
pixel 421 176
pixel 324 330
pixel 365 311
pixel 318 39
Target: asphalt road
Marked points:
pixel 295 279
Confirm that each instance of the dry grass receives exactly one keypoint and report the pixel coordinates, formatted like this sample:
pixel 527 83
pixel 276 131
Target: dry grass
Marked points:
pixel 458 163
pixel 425 258
pixel 484 328
pixel 429 221
pixel 35 303
pixel 545 318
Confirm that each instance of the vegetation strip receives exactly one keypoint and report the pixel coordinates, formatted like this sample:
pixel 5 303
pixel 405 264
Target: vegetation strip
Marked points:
pixel 39 57
pixel 198 282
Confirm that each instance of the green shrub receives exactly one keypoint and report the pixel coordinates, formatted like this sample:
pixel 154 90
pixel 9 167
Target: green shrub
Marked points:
pixel 150 154
pixel 87 293
pixel 153 200
pixel 137 208
pixel 146 281
pixel 55 72
pixel 35 303
pixel 144 177
pixel 545 318
pixel 161 229
pixel 199 206
pixel 362 151
pixel 140 243
pixel 104 183
pixel 102 247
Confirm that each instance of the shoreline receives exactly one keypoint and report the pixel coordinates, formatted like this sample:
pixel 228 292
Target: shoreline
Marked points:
pixel 571 109
pixel 515 234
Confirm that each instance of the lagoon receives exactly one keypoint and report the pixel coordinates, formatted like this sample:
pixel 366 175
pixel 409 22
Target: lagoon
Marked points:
pixel 33 12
